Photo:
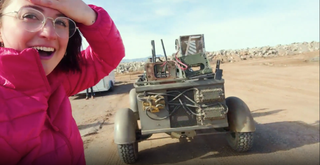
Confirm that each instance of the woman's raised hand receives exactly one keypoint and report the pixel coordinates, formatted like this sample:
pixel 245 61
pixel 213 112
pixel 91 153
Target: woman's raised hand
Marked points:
pixel 77 10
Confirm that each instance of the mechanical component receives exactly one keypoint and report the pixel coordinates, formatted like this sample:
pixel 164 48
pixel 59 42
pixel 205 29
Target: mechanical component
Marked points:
pixel 187 134
pixel 154 103
pixel 207 95
pixel 161 71
pixel 215 112
pixel 193 54
pixel 218 72
pixel 212 113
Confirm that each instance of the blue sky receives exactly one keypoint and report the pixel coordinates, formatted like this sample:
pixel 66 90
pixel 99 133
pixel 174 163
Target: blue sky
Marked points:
pixel 227 24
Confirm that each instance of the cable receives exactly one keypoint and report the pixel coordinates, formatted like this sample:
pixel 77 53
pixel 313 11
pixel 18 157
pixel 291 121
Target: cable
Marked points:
pixel 189 105
pixel 181 94
pixel 185 106
pixel 176 97
pixel 178 62
pixel 162 118
pixel 191 100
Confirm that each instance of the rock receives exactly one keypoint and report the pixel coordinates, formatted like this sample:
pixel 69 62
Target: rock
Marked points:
pixel 240 54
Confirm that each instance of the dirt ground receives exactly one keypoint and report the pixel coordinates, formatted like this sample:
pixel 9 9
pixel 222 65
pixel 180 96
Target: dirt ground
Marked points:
pixel 281 92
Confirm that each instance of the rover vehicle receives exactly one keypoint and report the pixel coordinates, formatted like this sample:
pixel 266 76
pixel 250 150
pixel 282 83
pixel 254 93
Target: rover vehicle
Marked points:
pixel 182 97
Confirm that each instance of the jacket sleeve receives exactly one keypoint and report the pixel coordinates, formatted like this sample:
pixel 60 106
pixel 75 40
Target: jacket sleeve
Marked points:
pixel 104 53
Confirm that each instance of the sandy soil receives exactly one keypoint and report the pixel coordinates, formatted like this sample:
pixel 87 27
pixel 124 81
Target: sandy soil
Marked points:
pixel 281 92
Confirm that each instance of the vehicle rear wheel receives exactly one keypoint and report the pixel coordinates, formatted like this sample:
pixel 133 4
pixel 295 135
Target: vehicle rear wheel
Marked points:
pixel 111 86
pixel 128 152
pixel 240 141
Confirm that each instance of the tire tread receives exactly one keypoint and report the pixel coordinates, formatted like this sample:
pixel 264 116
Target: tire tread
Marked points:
pixel 128 152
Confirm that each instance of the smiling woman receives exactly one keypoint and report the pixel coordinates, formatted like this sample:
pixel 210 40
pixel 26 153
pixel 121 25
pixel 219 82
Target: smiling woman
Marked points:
pixel 29 21
pixel 41 64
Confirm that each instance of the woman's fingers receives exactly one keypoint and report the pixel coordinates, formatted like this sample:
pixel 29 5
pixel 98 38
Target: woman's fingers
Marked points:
pixel 77 10
pixel 46 3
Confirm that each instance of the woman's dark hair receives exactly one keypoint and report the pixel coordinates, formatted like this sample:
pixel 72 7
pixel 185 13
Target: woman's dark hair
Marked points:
pixel 71 61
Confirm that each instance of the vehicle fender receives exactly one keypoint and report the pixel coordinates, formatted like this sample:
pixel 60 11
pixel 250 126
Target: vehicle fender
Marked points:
pixel 125 126
pixel 134 103
pixel 239 116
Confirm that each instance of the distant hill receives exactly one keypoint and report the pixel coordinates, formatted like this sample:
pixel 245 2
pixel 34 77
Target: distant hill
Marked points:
pixel 143 59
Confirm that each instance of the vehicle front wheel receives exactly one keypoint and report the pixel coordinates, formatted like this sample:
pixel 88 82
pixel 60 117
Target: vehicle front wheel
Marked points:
pixel 128 152
pixel 240 141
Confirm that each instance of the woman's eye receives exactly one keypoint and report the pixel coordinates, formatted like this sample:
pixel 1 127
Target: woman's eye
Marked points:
pixel 29 16
pixel 61 23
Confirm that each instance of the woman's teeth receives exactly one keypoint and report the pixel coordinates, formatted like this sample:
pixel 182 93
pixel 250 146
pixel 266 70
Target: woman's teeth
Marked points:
pixel 45 49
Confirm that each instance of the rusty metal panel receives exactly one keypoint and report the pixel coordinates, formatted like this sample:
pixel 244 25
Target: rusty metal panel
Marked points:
pixel 161 71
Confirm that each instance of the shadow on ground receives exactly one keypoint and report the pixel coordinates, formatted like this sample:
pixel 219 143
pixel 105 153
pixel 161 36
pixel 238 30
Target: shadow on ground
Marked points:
pixel 96 124
pixel 269 138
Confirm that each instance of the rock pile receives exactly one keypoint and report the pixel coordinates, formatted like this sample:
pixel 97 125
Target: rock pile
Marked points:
pixel 240 54
pixel 130 67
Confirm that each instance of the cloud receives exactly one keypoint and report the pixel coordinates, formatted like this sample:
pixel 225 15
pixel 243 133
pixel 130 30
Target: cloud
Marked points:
pixel 225 24
pixel 271 29
pixel 164 12
pixel 137 45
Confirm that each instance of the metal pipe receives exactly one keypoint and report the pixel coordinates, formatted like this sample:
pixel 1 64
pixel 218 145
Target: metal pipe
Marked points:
pixel 153 51
pixel 164 50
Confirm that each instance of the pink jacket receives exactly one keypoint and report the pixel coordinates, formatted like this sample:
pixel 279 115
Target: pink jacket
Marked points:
pixel 36 123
